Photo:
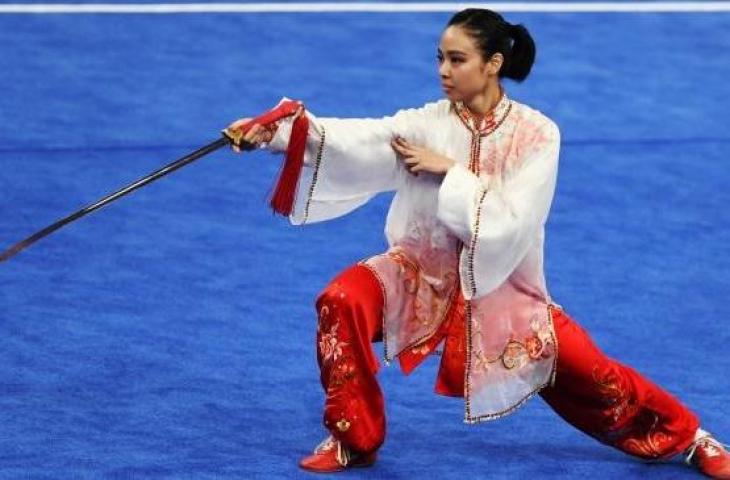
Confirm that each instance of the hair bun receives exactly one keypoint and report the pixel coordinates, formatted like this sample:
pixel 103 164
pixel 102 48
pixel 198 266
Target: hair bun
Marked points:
pixel 523 53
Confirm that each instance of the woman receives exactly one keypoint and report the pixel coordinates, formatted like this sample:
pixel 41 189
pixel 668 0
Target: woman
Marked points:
pixel 474 176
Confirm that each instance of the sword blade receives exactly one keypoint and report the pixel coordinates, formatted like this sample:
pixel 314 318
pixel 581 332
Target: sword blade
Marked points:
pixel 171 167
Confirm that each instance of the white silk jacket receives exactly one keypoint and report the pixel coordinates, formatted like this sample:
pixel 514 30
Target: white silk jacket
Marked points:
pixel 480 228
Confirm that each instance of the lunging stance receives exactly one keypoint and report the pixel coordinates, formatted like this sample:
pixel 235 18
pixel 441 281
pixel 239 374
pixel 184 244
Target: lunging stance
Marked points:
pixel 474 176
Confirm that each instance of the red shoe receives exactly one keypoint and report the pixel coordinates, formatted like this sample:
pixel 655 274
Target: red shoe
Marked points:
pixel 710 458
pixel 331 456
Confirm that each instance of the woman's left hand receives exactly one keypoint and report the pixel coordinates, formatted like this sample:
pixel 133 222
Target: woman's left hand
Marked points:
pixel 418 159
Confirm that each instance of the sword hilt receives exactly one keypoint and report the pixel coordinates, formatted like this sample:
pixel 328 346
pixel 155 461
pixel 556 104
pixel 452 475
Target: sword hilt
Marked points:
pixel 235 136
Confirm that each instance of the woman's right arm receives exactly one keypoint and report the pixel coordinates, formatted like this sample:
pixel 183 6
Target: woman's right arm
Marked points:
pixel 346 161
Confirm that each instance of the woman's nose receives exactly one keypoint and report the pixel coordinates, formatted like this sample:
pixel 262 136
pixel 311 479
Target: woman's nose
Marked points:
pixel 443 70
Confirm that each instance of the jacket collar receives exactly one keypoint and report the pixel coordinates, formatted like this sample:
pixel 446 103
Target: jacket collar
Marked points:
pixel 490 122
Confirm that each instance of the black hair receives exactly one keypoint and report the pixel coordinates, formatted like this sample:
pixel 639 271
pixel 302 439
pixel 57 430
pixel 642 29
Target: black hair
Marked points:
pixel 495 35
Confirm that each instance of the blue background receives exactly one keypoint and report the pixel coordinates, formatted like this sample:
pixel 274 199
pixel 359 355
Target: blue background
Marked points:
pixel 171 335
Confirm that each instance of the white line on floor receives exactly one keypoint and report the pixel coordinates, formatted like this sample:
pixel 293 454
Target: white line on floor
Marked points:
pixel 361 7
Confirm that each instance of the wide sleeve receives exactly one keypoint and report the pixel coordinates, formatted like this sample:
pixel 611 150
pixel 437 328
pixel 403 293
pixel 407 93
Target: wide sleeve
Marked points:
pixel 348 161
pixel 498 225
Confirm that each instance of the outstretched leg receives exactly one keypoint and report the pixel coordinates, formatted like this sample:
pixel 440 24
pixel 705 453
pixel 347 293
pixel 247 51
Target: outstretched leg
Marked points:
pixel 612 402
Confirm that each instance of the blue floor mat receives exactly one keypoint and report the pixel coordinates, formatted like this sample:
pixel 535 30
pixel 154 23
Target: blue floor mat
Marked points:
pixel 171 335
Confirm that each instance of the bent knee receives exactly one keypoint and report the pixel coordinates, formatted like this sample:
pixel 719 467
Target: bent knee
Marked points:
pixel 355 287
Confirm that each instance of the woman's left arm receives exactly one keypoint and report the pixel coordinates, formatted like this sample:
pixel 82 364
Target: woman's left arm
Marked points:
pixel 498 226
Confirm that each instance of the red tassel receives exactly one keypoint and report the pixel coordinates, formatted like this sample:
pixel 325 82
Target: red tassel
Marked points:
pixel 282 200
pixel 285 109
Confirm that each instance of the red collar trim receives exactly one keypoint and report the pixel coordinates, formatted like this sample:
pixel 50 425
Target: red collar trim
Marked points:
pixel 490 122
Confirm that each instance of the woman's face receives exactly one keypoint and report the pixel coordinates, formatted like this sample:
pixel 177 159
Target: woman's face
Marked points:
pixel 463 71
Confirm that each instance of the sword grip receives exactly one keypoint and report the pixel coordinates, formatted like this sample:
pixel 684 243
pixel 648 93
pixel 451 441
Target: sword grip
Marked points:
pixel 235 136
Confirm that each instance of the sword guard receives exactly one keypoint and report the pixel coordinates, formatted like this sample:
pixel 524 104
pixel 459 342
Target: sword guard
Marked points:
pixel 235 137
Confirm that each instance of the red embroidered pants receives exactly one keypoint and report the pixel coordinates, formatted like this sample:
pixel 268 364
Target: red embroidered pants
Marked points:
pixel 599 396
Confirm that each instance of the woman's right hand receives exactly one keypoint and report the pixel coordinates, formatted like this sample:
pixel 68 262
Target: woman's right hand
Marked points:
pixel 254 137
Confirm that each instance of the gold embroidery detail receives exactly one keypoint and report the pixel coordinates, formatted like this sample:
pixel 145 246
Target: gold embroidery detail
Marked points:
pixel 330 346
pixel 513 355
pixel 343 425
pixel 517 354
pixel 641 436
pixel 409 269
pixel 387 358
pixel 468 418
pixel 649 446
pixel 427 336
pixel 420 349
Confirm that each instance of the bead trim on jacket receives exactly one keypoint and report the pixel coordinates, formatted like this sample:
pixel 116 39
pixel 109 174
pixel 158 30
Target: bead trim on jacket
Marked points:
pixel 317 162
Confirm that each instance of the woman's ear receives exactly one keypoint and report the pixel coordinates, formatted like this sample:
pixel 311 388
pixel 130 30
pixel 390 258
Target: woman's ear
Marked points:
pixel 494 65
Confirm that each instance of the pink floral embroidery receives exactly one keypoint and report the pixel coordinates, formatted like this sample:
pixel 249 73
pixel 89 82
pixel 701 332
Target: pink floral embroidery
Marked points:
pixel 533 345
pixel 514 356
pixel 408 269
pixel 329 346
pixel 544 336
pixel 482 362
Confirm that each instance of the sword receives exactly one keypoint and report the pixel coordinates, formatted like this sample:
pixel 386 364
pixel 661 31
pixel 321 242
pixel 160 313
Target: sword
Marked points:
pixel 229 137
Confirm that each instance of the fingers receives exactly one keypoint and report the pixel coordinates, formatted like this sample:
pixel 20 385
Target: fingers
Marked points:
pixel 397 147
pixel 412 164
pixel 402 146
pixel 411 161
pixel 408 153
pixel 254 134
